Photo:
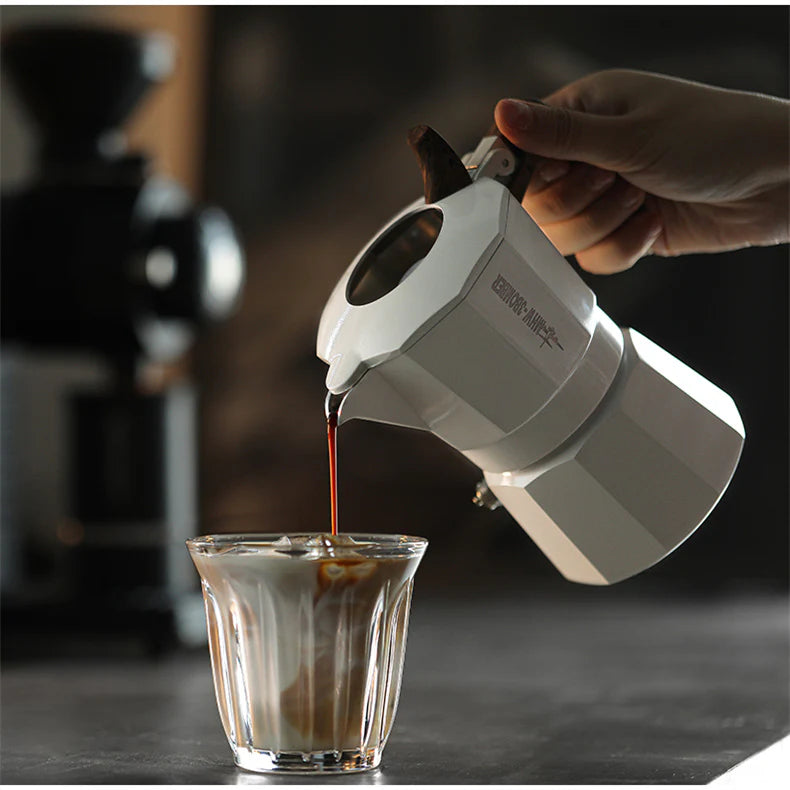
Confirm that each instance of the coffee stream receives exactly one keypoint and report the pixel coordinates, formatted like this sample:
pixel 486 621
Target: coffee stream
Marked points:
pixel 331 434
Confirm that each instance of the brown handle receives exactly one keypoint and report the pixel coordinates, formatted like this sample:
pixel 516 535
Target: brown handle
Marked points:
pixel 443 172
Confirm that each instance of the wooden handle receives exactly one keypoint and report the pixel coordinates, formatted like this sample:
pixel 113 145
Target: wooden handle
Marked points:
pixel 443 172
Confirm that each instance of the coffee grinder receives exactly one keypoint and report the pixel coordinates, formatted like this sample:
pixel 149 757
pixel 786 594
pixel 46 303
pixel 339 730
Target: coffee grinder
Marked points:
pixel 107 269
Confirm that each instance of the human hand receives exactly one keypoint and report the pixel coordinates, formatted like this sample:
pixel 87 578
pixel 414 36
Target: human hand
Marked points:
pixel 636 163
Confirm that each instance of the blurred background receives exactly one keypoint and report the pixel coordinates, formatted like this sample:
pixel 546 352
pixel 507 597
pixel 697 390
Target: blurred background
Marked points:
pixel 293 120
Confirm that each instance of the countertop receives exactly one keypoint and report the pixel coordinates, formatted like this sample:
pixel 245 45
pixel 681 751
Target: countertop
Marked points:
pixel 494 692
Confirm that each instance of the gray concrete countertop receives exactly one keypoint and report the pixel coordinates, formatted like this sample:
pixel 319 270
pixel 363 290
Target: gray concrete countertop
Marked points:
pixel 524 692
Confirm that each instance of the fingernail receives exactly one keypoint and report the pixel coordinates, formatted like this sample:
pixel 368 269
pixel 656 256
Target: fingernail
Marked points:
pixel 551 171
pixel 632 196
pixel 517 114
pixel 599 179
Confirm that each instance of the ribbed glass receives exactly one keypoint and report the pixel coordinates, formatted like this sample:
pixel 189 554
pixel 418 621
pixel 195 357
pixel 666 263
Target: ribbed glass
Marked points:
pixel 307 646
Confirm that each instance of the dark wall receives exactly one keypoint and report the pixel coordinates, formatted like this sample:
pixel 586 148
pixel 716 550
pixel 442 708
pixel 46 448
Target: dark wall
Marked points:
pixel 308 114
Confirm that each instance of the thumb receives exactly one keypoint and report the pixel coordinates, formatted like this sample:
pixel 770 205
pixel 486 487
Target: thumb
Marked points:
pixel 560 133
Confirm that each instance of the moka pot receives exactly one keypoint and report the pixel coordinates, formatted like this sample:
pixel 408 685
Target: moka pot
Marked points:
pixel 459 317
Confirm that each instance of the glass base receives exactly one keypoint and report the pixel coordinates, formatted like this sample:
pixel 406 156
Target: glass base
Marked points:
pixel 332 762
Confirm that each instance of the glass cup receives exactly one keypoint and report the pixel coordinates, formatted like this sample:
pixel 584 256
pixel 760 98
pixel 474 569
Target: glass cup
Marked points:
pixel 307 635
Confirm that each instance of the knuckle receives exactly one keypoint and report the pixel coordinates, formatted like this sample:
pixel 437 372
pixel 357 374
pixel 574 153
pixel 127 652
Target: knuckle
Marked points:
pixel 615 75
pixel 556 205
pixel 548 206
pixel 564 131
pixel 553 206
pixel 590 225
pixel 604 76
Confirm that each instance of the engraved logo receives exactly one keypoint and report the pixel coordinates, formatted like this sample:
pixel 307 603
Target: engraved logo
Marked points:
pixel 528 315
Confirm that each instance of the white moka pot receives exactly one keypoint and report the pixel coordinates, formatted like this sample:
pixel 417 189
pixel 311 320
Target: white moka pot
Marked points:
pixel 461 318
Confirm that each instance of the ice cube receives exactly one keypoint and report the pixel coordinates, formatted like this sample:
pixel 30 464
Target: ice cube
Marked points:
pixel 315 541
pixel 326 546
pixel 290 544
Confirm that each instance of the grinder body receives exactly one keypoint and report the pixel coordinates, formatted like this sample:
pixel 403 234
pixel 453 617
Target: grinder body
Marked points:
pixel 461 318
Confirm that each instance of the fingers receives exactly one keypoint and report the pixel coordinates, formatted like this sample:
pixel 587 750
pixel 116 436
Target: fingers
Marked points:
pixel 624 247
pixel 600 219
pixel 561 133
pixel 574 194
pixel 566 196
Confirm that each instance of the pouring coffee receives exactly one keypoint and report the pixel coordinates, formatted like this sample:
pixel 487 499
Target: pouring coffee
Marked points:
pixel 460 317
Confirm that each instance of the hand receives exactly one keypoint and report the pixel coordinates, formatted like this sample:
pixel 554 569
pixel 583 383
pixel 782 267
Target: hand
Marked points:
pixel 637 163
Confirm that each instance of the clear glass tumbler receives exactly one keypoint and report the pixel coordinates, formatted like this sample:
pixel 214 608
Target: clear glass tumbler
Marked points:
pixel 307 635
